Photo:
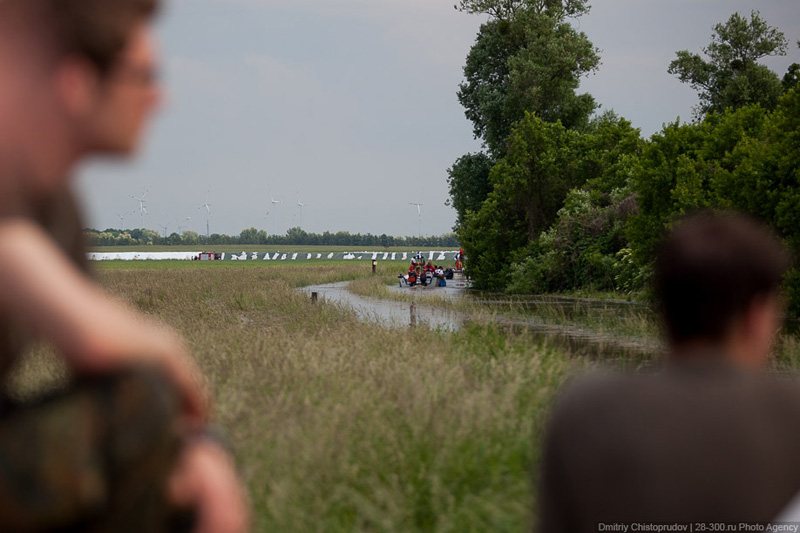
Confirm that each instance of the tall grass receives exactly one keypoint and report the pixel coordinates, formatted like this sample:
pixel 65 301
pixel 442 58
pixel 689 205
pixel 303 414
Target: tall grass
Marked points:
pixel 341 425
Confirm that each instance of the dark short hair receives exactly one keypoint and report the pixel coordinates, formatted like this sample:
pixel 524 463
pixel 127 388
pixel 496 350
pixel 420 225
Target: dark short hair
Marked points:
pixel 710 269
pixel 97 30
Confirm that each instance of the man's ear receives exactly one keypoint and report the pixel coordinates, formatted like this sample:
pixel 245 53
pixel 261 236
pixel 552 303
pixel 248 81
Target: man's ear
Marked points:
pixel 763 318
pixel 76 85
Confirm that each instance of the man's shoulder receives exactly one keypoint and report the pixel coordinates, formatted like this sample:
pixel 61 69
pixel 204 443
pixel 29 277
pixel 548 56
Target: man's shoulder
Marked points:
pixel 599 385
pixel 597 389
pixel 623 398
pixel 587 399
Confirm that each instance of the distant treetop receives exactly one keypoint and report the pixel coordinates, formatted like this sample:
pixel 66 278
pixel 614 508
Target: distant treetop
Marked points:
pixel 507 9
pixel 731 76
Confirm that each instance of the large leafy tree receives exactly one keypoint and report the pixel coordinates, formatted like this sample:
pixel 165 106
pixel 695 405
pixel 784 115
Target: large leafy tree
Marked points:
pixel 730 75
pixel 487 81
pixel 546 72
pixel 529 186
pixel 567 201
pixel 609 144
pixel 526 58
pixel 744 159
pixel 468 179
pixel 544 165
pixel 792 76
pixel 508 9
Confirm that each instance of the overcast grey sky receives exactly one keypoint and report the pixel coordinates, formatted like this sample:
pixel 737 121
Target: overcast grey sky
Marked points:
pixel 350 107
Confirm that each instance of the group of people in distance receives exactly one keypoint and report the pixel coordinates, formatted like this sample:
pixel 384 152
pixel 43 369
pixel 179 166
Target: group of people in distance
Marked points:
pixel 710 439
pixel 425 274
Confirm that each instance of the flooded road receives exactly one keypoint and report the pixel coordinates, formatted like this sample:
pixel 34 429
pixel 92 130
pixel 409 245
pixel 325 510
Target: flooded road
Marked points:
pixel 388 313
pixel 423 311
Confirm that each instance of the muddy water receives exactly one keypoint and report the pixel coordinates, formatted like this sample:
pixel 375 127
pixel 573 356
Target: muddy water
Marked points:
pixel 387 313
pixel 402 315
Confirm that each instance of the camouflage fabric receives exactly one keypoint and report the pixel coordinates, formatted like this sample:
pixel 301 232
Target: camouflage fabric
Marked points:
pixel 94 457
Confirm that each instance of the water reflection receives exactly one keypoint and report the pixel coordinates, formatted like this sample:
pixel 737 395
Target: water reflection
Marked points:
pixel 537 318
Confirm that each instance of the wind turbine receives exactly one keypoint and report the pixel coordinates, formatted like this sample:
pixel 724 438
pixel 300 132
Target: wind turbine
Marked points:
pixel 275 203
pixel 164 227
pixel 142 206
pixel 301 205
pixel 186 221
pixel 419 214
pixel 207 207
pixel 121 217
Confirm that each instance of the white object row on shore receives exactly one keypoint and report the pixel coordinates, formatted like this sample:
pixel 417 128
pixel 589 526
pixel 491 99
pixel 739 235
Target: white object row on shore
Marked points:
pixel 274 256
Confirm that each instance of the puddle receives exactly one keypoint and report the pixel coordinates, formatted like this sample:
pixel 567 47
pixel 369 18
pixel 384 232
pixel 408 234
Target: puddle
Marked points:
pixel 402 315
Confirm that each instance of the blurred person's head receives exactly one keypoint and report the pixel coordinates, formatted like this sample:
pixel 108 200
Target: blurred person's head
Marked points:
pixel 24 62
pixel 84 80
pixel 107 68
pixel 717 277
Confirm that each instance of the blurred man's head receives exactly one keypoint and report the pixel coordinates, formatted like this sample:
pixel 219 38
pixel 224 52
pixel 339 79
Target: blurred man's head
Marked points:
pixel 24 74
pixel 716 281
pixel 106 69
pixel 78 77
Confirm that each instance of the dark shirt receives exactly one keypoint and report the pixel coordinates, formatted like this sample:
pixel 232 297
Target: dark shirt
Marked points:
pixel 58 215
pixel 699 442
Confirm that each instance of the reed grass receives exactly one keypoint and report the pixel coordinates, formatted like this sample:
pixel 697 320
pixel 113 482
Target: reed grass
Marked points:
pixel 341 425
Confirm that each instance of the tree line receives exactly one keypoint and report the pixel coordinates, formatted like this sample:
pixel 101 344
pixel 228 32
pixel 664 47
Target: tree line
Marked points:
pixel 562 198
pixel 293 237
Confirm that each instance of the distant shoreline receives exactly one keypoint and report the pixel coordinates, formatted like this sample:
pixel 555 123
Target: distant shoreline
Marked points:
pixel 320 254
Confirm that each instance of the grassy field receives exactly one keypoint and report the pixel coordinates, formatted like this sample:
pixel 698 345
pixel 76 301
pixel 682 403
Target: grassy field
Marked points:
pixel 341 425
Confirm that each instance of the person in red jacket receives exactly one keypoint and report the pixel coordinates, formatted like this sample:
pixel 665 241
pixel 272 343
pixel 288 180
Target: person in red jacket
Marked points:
pixel 411 275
